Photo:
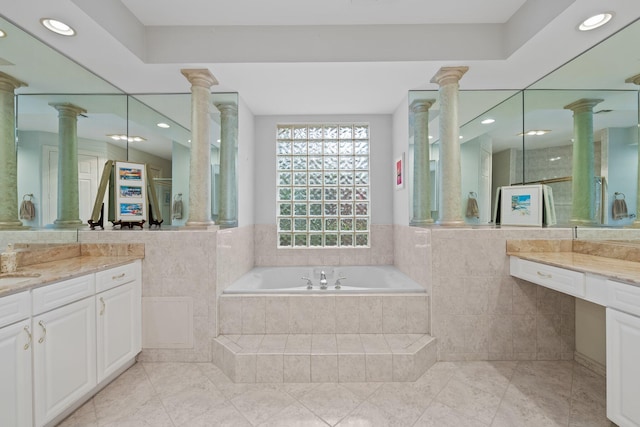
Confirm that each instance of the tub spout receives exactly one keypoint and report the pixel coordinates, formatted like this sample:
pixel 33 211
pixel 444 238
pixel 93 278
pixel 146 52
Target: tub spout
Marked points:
pixel 323 280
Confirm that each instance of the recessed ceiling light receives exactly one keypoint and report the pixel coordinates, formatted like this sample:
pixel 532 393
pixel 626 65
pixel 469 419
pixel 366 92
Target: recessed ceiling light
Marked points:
pixel 595 21
pixel 488 121
pixel 3 34
pixel 163 125
pixel 57 27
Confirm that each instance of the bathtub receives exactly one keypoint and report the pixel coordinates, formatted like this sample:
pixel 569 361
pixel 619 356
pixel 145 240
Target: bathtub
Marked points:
pixel 357 279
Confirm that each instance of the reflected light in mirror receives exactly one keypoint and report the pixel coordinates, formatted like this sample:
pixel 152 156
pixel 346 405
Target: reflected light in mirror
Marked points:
pixel 163 125
pixel 58 27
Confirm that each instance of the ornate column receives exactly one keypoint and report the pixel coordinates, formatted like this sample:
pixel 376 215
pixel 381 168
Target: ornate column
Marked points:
pixel 582 170
pixel 68 205
pixel 636 224
pixel 200 164
pixel 421 214
pixel 228 208
pixel 9 166
pixel 450 199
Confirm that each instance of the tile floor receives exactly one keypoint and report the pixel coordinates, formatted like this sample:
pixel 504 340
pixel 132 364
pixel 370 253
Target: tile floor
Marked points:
pixel 509 394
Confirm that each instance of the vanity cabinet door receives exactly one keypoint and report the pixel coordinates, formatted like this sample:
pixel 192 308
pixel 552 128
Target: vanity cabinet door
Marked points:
pixel 15 374
pixel 119 332
pixel 623 368
pixel 64 357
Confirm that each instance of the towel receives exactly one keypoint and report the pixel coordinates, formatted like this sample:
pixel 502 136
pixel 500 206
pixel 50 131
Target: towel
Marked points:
pixel 27 210
pixel 176 209
pixel 620 209
pixel 472 208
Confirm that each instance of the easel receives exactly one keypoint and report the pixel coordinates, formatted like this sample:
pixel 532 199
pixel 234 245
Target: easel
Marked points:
pixel 108 180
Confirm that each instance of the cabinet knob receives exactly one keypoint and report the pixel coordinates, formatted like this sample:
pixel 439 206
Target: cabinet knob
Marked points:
pixel 28 332
pixel 118 277
pixel 44 332
pixel 103 306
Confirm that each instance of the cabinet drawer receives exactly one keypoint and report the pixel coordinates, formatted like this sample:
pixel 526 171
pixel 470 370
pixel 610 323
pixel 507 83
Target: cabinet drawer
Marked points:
pixel 117 276
pixel 560 279
pixel 624 297
pixel 14 308
pixel 51 296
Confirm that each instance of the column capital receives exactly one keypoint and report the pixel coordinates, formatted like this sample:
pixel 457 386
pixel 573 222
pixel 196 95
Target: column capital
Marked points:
pixel 9 83
pixel 583 105
pixel 448 75
pixel 227 107
pixel 633 79
pixel 200 77
pixel 67 108
pixel 421 105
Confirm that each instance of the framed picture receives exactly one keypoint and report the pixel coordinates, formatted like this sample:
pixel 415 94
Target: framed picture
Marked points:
pixel 131 192
pixel 399 172
pixel 521 205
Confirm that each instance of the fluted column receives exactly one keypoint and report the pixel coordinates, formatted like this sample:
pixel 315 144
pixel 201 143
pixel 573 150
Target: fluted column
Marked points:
pixel 636 224
pixel 582 170
pixel 449 186
pixel 8 162
pixel 421 214
pixel 228 208
pixel 200 164
pixel 68 199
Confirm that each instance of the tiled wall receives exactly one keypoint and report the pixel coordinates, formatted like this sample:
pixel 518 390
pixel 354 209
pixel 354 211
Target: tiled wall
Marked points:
pixel 235 254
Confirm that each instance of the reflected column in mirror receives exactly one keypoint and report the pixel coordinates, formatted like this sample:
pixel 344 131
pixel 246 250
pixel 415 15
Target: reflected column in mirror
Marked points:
pixel 636 81
pixel 421 212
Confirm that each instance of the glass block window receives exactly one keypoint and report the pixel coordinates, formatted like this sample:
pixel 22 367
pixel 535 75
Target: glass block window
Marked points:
pixel 323 197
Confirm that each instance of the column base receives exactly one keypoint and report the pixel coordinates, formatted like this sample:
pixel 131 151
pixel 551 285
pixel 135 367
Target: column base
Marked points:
pixel 452 223
pixel 200 225
pixel 635 224
pixel 583 222
pixel 12 225
pixel 68 223
pixel 421 222
pixel 228 223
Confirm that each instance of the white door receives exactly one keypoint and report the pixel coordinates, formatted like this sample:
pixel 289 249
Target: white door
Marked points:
pixel 118 325
pixel 623 368
pixel 64 357
pixel 15 374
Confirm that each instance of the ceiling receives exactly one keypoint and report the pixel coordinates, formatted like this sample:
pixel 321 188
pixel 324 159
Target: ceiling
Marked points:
pixel 312 56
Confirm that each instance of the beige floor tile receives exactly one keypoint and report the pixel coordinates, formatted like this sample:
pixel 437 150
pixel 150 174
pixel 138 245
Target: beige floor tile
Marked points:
pixel 439 415
pixel 258 405
pixel 369 415
pixel 493 377
pixel 224 415
pixel 400 401
pixel 84 416
pixel 330 401
pixel 469 401
pixel 192 402
pixel 294 415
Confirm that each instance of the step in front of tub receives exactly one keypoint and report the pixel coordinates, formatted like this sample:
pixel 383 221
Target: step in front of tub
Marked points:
pixel 304 358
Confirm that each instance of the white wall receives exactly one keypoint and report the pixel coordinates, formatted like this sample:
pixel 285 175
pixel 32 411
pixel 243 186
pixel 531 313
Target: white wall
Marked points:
pixel 381 163
pixel 246 165
pixel 622 168
pixel 401 214
pixel 180 179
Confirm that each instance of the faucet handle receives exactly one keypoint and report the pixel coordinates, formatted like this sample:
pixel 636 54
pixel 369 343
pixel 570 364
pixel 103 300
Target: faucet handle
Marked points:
pixel 309 283
pixel 338 282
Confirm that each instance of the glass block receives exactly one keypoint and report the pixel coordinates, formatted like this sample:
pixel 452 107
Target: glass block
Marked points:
pixel 285 178
pixel 284 194
pixel 300 194
pixel 346 239
pixel 331 178
pixel 315 132
pixel 300 224
pixel 346 194
pixel 300 209
pixel 285 209
pixel 362 224
pixel 300 162
pixel 284 239
pixel 346 163
pixel 331 193
pixel 346 224
pixel 315 194
pixel 331 132
pixel 300 178
pixel 284 163
pixel 284 132
pixel 284 147
pixel 284 224
pixel 331 163
pixel 362 208
pixel 300 148
pixel 331 240
pixel 346 148
pixel 361 147
pixel 362 178
pixel 299 132
pixel 362 193
pixel 330 148
pixel 315 163
pixel 346 178
pixel 314 148
pixel 331 224
pixel 361 162
pixel 362 239
pixel 300 240
pixel 346 209
pixel 315 209
pixel 346 132
pixel 331 209
pixel 315 224
pixel 315 178
pixel 361 132
pixel 315 240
